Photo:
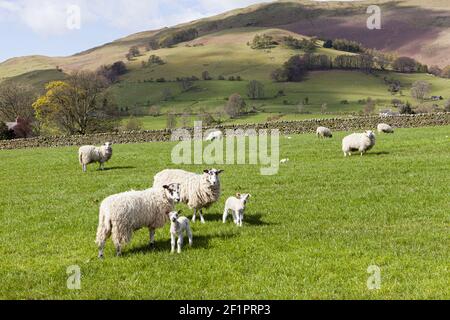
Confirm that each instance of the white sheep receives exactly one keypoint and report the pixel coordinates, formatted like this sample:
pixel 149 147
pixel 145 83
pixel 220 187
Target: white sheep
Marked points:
pixel 122 214
pixel 198 191
pixel 215 135
pixel 385 128
pixel 237 206
pixel 92 154
pixel 179 225
pixel 361 142
pixel 323 132
pixel 284 161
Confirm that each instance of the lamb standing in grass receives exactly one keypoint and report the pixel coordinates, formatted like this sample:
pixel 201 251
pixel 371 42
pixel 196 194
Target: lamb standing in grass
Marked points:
pixel 385 128
pixel 92 154
pixel 237 206
pixel 122 214
pixel 179 225
pixel 361 142
pixel 198 191
pixel 215 135
pixel 323 132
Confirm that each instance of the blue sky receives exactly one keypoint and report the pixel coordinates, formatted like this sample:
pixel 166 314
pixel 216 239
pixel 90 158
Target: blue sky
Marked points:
pixel 40 26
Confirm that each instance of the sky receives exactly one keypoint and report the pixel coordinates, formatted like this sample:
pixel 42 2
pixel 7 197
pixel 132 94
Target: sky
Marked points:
pixel 66 27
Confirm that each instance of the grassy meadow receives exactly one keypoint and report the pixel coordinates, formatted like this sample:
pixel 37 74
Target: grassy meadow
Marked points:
pixel 310 232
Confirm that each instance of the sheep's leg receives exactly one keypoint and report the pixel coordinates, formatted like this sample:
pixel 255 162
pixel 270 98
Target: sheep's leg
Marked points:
pixel 189 234
pixel 225 215
pixel 194 216
pixel 241 218
pixel 101 249
pixel 201 216
pixel 180 241
pixel 152 238
pixel 84 168
pixel 118 250
pixel 235 218
pixel 173 242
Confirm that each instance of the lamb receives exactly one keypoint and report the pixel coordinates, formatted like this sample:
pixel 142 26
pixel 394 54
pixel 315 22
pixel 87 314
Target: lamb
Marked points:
pixel 237 206
pixel 385 128
pixel 122 214
pixel 198 191
pixel 215 135
pixel 361 142
pixel 323 132
pixel 178 225
pixel 92 154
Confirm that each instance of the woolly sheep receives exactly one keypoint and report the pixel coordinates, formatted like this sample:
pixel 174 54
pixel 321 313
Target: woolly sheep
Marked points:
pixel 323 132
pixel 92 154
pixel 215 135
pixel 122 214
pixel 361 142
pixel 385 128
pixel 198 191
pixel 284 161
pixel 237 206
pixel 179 225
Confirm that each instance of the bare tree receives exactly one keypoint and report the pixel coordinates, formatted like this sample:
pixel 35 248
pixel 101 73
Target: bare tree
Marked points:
pixel 420 89
pixel 235 105
pixel 16 101
pixel 255 90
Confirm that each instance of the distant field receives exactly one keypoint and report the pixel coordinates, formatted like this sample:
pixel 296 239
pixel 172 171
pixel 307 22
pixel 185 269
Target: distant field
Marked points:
pixel 310 232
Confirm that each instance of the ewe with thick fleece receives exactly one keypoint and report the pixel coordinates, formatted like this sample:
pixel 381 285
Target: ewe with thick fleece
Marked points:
pixel 122 214
pixel 215 135
pixel 198 191
pixel 323 132
pixel 179 225
pixel 237 206
pixel 92 154
pixel 385 128
pixel 361 142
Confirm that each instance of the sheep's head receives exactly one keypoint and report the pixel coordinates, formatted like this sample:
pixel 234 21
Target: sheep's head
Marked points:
pixel 108 145
pixel 174 215
pixel 212 176
pixel 370 134
pixel 243 197
pixel 173 191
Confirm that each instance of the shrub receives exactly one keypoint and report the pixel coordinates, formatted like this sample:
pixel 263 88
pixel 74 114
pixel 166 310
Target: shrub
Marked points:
pixel 133 124
pixel 5 133
pixel 406 109
pixel 178 37
pixel 262 42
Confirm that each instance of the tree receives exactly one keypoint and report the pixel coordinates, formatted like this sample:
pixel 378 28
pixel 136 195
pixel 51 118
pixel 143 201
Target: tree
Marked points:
pixel 324 108
pixel 347 45
pixel 154 111
pixel 447 106
pixel 405 65
pixel 16 101
pixel 406 109
pixel 154 59
pixel 255 90
pixel 262 42
pixel 420 89
pixel 328 44
pixel 295 68
pixel 77 105
pixel 206 76
pixel 5 133
pixel 435 70
pixel 278 75
pixel 235 106
pixel 166 94
pixel 112 72
pixel 369 108
pixel 186 84
pixel 133 124
pixel 133 52
pixel 445 73
pixel 171 120
pixel 178 37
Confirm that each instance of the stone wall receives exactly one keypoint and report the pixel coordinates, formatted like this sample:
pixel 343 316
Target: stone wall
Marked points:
pixel 285 127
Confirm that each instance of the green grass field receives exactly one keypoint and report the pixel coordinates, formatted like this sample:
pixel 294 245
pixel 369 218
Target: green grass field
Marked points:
pixel 310 232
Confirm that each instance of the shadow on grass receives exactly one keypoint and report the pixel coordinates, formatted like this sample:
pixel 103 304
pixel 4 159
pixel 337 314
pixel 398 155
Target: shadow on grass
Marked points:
pixel 380 153
pixel 118 168
pixel 200 241
pixel 249 219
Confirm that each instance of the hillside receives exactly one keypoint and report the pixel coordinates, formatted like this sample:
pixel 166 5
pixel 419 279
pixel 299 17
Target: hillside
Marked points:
pixel 409 28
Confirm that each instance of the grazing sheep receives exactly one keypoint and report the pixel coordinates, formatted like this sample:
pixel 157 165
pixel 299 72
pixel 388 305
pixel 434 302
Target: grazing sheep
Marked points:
pixel 237 206
pixel 198 191
pixel 284 161
pixel 122 214
pixel 323 132
pixel 215 135
pixel 92 154
pixel 178 225
pixel 385 128
pixel 361 142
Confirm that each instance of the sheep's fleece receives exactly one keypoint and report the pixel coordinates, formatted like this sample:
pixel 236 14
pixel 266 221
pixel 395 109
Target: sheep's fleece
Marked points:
pixel 385 128
pixel 92 154
pixel 361 142
pixel 324 132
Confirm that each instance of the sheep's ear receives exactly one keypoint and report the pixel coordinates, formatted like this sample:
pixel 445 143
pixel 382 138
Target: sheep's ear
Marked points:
pixel 238 195
pixel 206 171
pixel 219 171
pixel 166 187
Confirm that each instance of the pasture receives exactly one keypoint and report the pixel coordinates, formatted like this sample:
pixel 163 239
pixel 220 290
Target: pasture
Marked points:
pixel 310 232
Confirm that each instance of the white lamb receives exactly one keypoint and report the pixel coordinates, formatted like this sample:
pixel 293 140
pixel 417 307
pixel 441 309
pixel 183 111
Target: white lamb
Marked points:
pixel 237 206
pixel 323 132
pixel 385 128
pixel 179 225
pixel 215 135
pixel 122 214
pixel 198 191
pixel 92 154
pixel 361 142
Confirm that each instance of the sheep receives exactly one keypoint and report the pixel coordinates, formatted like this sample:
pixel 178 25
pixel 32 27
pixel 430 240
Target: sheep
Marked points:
pixel 198 191
pixel 122 214
pixel 284 161
pixel 323 132
pixel 237 206
pixel 178 225
pixel 215 135
pixel 92 154
pixel 385 128
pixel 361 142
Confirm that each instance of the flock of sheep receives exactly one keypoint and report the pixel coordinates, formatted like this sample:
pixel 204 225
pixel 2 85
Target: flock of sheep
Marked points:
pixel 122 214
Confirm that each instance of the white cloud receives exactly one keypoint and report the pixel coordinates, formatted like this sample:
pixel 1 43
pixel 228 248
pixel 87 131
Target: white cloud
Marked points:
pixel 49 17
